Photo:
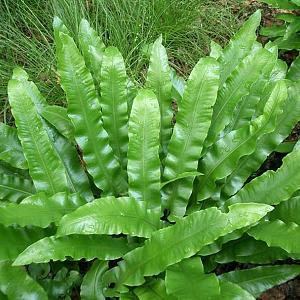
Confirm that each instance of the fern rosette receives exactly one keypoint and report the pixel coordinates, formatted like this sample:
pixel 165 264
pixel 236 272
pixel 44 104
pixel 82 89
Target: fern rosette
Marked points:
pixel 122 195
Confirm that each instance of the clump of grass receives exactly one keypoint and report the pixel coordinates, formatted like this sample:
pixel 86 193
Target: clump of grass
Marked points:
pixel 131 25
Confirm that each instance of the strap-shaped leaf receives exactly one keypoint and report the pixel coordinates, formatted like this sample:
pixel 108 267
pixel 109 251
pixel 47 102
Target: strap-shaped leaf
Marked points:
pixel 14 188
pixel 158 79
pixel 85 113
pixel 77 180
pixel 14 240
pixel 258 190
pixel 75 246
pixel 231 291
pixel 172 244
pixel 39 210
pixel 239 46
pixel 293 42
pixel 249 250
pixel 143 167
pixel 59 27
pixel 218 245
pixel 287 235
pixel 287 211
pixel 17 284
pixel 113 101
pixel 267 143
pixel 91 287
pixel 278 73
pixel 57 116
pixel 181 176
pixel 112 216
pixel 257 280
pixel 273 31
pixel 155 289
pixel 192 124
pixel 245 109
pixel 237 86
pixel 92 48
pixel 223 156
pixel 45 168
pixel 187 280
pixel 193 119
pixel 10 147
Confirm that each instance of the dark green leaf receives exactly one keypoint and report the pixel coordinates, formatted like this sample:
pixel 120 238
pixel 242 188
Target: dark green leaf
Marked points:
pixel 17 284
pixel 10 147
pixel 257 280
pixel 14 188
pixel 91 287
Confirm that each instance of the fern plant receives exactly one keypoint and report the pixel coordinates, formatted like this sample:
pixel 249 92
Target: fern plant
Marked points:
pixel 125 196
pixel 286 36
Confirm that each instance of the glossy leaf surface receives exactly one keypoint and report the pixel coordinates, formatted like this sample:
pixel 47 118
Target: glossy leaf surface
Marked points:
pixel 231 291
pixel 112 216
pixel 91 287
pixel 239 46
pixel 155 289
pixel 17 284
pixel 287 175
pixel 113 101
pixel 85 112
pixel 10 147
pixel 237 86
pixel 143 167
pixel 287 235
pixel 75 246
pixel 92 48
pixel 45 168
pixel 186 280
pixel 259 279
pixel 58 117
pixel 182 240
pixel 158 79
pixel 14 240
pixel 223 156
pixel 192 124
pixel 267 143
pixel 39 210
pixel 14 188
pixel 287 211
